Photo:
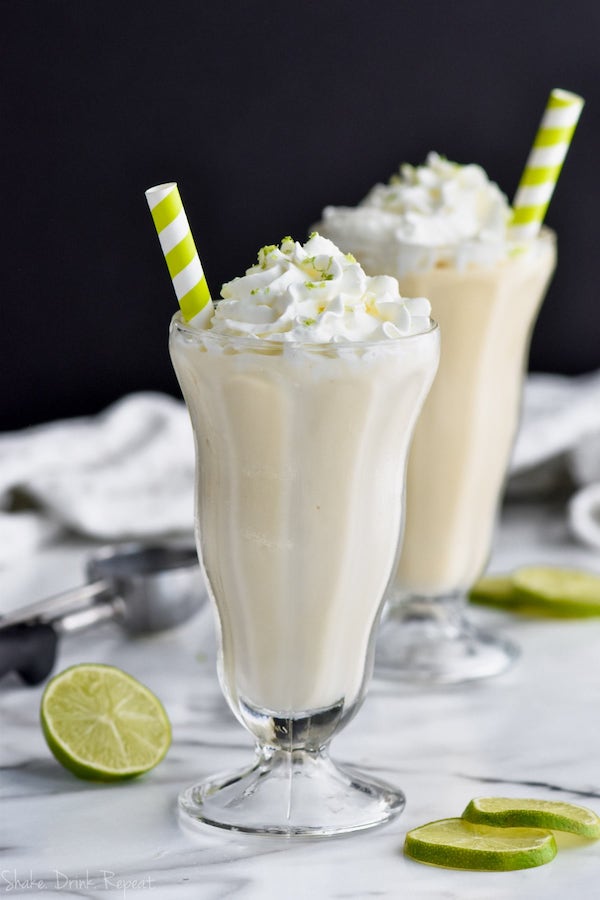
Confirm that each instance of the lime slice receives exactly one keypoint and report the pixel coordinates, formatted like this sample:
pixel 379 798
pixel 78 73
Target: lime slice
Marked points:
pixel 541 591
pixel 510 811
pixel 496 590
pixel 458 844
pixel 499 591
pixel 564 592
pixel 102 724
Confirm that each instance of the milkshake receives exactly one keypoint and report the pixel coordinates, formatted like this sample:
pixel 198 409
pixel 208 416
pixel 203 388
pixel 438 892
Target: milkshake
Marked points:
pixel 303 394
pixel 442 230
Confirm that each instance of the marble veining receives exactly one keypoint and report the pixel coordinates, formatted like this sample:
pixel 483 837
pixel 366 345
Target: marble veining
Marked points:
pixel 531 732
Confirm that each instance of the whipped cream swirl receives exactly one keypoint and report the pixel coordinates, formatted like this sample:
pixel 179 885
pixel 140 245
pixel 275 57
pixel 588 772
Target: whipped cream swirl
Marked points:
pixel 314 293
pixel 442 202
pixel 441 213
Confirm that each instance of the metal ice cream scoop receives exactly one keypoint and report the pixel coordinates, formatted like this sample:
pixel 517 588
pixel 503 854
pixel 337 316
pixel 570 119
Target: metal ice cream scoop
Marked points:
pixel 142 587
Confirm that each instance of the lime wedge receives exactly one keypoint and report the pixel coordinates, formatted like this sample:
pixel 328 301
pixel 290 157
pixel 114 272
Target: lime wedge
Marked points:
pixel 458 844
pixel 564 592
pixel 102 724
pixel 548 814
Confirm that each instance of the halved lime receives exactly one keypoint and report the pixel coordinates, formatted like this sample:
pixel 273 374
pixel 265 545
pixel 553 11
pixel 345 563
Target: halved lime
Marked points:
pixel 458 844
pixel 102 724
pixel 549 814
pixel 566 592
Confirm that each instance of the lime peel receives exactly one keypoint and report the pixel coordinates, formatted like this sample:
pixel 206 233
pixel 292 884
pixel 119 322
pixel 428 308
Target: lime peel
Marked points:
pixel 548 814
pixel 458 844
pixel 102 724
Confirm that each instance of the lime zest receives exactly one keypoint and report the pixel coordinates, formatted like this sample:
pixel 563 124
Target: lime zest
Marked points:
pixel 263 253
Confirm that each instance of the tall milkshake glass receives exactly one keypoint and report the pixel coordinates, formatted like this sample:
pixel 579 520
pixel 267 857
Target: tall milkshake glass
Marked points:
pixel 459 458
pixel 301 451
pixel 446 231
pixel 442 230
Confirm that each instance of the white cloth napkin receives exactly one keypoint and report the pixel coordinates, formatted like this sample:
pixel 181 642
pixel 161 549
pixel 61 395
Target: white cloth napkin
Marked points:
pixel 560 415
pixel 560 435
pixel 129 472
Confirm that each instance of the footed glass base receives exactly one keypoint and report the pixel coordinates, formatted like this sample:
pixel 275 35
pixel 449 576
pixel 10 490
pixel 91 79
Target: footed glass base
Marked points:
pixel 430 640
pixel 292 793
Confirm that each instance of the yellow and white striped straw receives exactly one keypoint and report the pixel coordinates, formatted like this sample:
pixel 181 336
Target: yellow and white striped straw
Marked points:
pixel 180 252
pixel 544 163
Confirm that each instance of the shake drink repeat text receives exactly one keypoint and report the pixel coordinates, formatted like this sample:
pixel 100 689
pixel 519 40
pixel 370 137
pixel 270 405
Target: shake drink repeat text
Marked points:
pixel 14 882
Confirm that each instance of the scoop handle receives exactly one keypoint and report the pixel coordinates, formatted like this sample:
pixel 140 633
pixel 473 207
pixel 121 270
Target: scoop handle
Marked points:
pixel 28 650
pixel 52 609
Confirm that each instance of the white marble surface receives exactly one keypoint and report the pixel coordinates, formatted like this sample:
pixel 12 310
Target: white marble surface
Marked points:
pixel 532 732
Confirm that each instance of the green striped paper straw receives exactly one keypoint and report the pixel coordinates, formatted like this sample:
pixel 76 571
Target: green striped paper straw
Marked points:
pixel 180 252
pixel 544 164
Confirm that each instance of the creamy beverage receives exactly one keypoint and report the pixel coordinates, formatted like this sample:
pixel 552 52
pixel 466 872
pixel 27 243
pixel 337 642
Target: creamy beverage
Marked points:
pixel 303 390
pixel 303 394
pixel 465 434
pixel 441 229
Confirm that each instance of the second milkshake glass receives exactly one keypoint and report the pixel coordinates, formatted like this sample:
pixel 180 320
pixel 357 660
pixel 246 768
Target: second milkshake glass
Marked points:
pixel 460 453
pixel 301 453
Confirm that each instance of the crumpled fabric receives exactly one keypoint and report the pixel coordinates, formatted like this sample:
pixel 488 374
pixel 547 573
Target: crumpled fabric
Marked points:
pixel 558 447
pixel 126 473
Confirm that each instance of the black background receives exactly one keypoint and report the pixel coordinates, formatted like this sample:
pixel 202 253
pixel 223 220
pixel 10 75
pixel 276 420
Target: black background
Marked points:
pixel 263 113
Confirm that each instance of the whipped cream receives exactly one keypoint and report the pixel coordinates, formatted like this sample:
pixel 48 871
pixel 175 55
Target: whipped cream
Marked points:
pixel 314 293
pixel 437 213
pixel 443 202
